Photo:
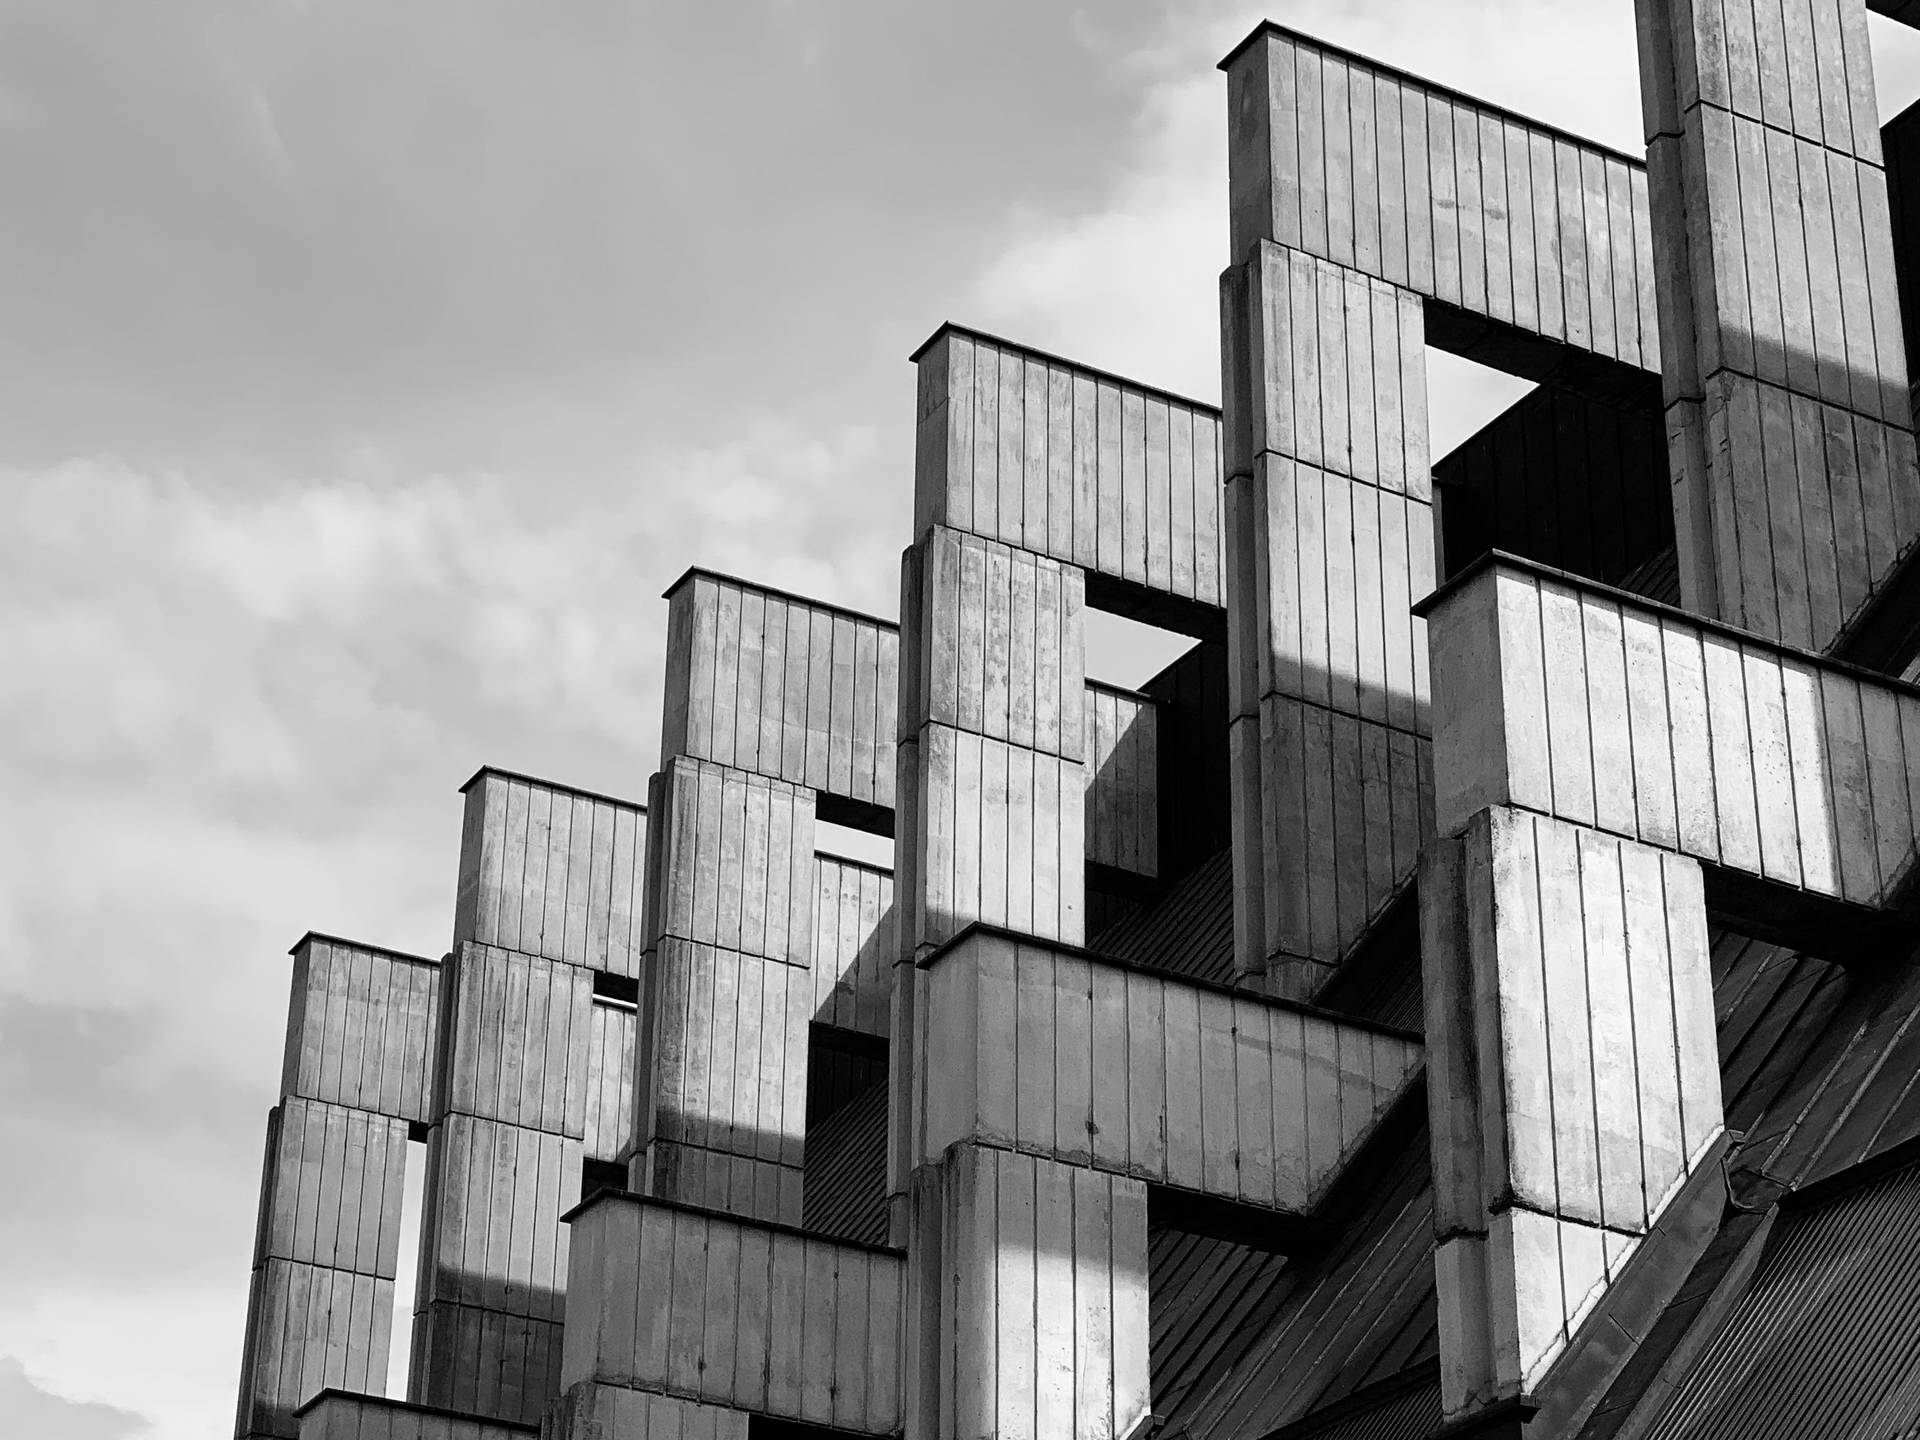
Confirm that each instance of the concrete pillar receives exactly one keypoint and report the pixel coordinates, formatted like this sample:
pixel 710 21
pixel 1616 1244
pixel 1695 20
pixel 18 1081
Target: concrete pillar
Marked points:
pixel 547 899
pixel 1330 539
pixel 1573 1079
pixel 1027 1276
pixel 504 1159
pixel 1027 1308
pixel 360 1031
pixel 729 995
pixel 1795 484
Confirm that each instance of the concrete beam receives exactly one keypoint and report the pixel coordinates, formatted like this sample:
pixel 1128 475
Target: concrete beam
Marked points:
pixel 1052 457
pixel 343 1415
pixel 551 871
pixel 780 686
pixel 1063 1054
pixel 721 1311
pixel 1608 711
pixel 1538 235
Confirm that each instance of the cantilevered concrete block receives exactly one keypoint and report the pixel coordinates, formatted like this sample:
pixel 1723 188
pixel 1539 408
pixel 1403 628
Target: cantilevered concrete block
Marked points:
pixel 1119 479
pixel 754 1317
pixel 996 715
pixel 551 871
pixel 1574 1082
pixel 1607 711
pixel 1061 1054
pixel 772 684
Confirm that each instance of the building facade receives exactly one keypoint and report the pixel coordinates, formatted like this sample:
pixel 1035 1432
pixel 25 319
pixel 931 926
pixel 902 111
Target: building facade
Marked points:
pixel 1471 992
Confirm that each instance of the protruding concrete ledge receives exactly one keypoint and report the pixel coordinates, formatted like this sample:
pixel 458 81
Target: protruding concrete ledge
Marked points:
pixel 321 937
pixel 759 1317
pixel 556 786
pixel 552 871
pixel 1531 246
pixel 794 689
pixel 948 328
pixel 1058 459
pixel 1052 1051
pixel 1594 706
pixel 342 1415
pixel 1278 31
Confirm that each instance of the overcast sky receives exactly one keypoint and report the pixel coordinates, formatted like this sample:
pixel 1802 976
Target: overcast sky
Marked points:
pixel 368 367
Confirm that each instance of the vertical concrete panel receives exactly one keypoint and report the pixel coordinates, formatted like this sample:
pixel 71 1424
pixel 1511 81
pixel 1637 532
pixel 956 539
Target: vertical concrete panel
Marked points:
pixel 1571 1031
pixel 1329 540
pixel 1775 284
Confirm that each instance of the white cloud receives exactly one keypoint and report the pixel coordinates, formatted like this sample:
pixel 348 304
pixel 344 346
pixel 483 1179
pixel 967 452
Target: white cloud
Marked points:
pixel 236 713
pixel 28 1408
pixel 1131 283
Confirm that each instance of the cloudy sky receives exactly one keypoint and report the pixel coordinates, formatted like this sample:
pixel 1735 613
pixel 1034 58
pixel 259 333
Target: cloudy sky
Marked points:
pixel 369 369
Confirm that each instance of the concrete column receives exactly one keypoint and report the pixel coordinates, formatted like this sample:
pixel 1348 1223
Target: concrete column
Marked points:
pixel 360 1031
pixel 729 994
pixel 1027 1299
pixel 1795 484
pixel 547 899
pixel 1330 539
pixel 320 1308
pixel 503 1164
pixel 1573 1079
pixel 1026 1305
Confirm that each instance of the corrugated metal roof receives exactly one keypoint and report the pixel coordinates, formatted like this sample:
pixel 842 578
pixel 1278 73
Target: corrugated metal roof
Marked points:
pixel 1404 1407
pixel 1187 931
pixel 1245 1341
pixel 1825 1344
pixel 1657 577
pixel 1824 1060
pixel 1820 1067
pixel 845 1194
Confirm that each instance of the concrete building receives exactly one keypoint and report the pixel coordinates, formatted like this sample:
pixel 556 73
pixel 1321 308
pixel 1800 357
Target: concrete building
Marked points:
pixel 1470 993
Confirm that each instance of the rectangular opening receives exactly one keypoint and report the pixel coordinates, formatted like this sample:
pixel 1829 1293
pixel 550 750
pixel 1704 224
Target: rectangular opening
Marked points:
pixel 844 1193
pixel 598 1175
pixel 851 844
pixel 406 1278
pixel 765 1427
pixel 1555 475
pixel 622 990
pixel 859 816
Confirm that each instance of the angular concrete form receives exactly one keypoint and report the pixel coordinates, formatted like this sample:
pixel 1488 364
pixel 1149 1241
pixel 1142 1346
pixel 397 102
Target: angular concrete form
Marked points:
pixel 730 975
pixel 1061 1054
pixel 1574 1079
pixel 1587 704
pixel 1786 381
pixel 681 1301
pixel 547 902
pixel 1330 529
pixel 1100 1114
pixel 361 1034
